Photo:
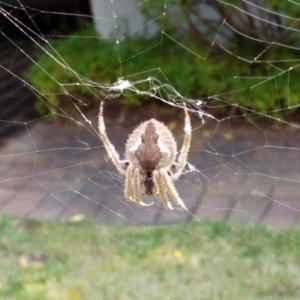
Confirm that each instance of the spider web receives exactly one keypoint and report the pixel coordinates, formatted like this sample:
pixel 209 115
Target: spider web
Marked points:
pixel 243 163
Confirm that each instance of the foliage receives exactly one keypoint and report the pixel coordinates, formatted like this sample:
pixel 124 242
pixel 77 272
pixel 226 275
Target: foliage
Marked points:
pixel 204 20
pixel 88 260
pixel 96 60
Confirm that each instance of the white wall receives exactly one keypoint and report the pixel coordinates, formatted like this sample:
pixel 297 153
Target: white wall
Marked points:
pixel 120 18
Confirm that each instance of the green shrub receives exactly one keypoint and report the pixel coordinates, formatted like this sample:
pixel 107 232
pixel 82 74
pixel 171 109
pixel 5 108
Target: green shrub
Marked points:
pixel 219 79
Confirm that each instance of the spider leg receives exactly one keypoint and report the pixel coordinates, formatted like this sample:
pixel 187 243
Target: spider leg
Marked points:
pixel 132 190
pixel 128 184
pixel 137 186
pixel 160 188
pixel 110 149
pixel 182 159
pixel 169 187
pixel 137 189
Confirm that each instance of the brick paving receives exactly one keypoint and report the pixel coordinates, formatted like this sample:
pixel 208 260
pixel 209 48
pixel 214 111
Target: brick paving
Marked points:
pixel 53 172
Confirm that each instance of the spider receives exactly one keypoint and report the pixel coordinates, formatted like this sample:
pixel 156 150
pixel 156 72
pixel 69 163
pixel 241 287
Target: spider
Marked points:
pixel 149 167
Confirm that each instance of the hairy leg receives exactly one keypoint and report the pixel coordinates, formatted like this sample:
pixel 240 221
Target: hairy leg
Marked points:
pixel 128 184
pixel 161 192
pixel 137 186
pixel 169 187
pixel 132 190
pixel 110 149
pixel 182 158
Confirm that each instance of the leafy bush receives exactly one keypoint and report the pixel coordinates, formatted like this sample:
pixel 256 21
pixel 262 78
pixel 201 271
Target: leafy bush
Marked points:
pixel 214 78
pixel 245 21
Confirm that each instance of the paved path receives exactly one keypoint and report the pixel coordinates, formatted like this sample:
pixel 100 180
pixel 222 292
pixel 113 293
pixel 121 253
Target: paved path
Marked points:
pixel 248 174
pixel 53 172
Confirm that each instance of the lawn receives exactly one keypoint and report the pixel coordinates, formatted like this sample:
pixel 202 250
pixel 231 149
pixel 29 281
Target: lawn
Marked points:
pixel 201 260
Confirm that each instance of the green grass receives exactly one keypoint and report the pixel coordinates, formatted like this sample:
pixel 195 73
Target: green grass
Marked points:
pixel 187 261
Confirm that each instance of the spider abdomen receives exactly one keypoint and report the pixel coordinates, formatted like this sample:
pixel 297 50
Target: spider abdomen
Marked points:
pixel 151 146
pixel 148 152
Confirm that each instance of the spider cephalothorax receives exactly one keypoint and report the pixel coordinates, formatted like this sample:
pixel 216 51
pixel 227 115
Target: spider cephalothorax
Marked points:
pixel 149 166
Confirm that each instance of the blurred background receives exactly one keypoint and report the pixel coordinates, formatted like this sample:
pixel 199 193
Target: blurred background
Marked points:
pixel 236 66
